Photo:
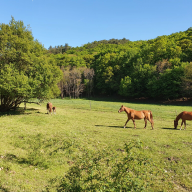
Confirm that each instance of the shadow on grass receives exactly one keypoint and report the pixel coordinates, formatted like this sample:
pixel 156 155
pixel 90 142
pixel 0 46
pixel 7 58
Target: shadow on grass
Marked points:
pixel 3 189
pixel 18 111
pixel 34 162
pixel 173 129
pixel 177 129
pixel 175 102
pixel 14 158
pixel 113 126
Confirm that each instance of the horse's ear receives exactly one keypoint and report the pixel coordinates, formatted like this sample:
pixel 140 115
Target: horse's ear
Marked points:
pixel 121 105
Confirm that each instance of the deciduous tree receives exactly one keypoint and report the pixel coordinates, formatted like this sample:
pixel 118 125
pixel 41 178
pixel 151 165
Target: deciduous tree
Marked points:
pixel 26 71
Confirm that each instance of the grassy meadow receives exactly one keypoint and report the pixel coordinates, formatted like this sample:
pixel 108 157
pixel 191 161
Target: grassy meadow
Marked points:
pixel 85 148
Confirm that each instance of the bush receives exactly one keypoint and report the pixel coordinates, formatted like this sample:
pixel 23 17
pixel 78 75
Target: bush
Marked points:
pixel 127 170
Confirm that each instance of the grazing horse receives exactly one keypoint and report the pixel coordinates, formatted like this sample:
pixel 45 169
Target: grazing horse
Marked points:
pixel 49 108
pixel 133 114
pixel 185 115
pixel 54 110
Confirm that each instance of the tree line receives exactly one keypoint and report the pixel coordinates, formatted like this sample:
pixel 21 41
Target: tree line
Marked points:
pixel 156 68
pixel 75 81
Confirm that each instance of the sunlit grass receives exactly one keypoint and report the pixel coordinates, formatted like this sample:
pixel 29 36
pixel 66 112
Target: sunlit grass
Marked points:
pixel 37 147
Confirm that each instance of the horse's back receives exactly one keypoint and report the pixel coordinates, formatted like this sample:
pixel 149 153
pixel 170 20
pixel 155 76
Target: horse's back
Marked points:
pixel 186 115
pixel 137 114
pixel 147 114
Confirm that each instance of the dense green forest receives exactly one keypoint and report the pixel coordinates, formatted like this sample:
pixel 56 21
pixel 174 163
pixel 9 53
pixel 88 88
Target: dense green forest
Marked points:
pixel 156 68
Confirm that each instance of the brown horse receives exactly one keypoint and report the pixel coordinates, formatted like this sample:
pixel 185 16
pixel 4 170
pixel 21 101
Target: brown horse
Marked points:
pixel 54 110
pixel 133 114
pixel 184 116
pixel 49 108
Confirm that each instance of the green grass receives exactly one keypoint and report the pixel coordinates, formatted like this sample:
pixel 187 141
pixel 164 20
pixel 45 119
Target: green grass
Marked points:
pixel 37 148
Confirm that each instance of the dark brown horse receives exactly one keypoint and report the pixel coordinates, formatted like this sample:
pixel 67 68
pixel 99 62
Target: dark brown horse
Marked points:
pixel 133 114
pixel 184 116
pixel 54 110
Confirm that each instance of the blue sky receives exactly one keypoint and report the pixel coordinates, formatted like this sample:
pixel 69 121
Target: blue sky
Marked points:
pixel 77 22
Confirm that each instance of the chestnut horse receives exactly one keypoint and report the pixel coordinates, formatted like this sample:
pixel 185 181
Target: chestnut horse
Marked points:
pixel 184 116
pixel 133 114
pixel 49 108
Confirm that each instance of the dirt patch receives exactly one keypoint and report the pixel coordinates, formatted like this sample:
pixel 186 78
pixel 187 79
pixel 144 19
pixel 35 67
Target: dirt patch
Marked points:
pixel 120 150
pixel 173 159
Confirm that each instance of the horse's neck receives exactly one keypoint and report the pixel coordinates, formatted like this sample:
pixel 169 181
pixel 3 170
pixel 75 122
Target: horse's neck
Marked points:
pixel 179 116
pixel 127 110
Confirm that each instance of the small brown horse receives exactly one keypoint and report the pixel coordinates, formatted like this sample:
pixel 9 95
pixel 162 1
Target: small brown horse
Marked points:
pixel 54 110
pixel 133 114
pixel 49 108
pixel 184 116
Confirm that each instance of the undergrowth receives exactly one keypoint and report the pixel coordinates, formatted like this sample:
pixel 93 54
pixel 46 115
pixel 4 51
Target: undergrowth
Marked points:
pixel 126 170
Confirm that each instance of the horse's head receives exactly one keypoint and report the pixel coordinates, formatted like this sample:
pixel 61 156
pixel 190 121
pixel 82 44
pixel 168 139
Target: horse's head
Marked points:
pixel 175 124
pixel 121 109
pixel 54 109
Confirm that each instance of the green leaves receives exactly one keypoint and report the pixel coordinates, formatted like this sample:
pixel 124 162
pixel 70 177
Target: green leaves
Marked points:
pixel 26 69
pixel 13 82
pixel 125 86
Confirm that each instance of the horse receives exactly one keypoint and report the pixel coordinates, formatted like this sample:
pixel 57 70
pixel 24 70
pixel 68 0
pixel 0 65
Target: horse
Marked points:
pixel 133 114
pixel 54 110
pixel 49 108
pixel 185 115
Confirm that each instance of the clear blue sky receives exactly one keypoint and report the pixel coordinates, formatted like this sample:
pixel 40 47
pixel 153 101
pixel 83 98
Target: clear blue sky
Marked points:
pixel 77 22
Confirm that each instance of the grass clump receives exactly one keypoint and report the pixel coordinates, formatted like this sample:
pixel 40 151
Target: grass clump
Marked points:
pixel 105 170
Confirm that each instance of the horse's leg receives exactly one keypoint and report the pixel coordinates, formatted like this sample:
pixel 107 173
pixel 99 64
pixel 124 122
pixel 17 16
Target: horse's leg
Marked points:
pixel 181 124
pixel 126 123
pixel 151 121
pixel 134 123
pixel 145 123
pixel 185 124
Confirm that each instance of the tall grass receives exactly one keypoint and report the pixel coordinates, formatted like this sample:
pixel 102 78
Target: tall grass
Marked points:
pixel 85 148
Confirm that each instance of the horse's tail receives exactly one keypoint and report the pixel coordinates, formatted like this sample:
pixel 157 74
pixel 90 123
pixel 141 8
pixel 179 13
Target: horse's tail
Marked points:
pixel 151 117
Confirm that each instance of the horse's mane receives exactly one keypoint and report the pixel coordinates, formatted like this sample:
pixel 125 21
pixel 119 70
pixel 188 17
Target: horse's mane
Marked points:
pixel 179 116
pixel 127 108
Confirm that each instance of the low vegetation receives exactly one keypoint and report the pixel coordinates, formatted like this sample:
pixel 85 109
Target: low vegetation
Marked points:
pixel 85 148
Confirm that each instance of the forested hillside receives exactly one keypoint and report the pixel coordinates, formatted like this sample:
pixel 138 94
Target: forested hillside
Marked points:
pixel 157 68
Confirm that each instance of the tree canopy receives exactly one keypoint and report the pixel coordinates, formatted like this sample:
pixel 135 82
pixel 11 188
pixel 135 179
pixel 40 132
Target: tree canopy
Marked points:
pixel 26 69
pixel 154 68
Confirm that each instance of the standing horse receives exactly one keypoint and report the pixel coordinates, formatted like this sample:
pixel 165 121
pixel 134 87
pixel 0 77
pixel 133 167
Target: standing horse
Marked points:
pixel 184 116
pixel 49 108
pixel 133 114
pixel 54 110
